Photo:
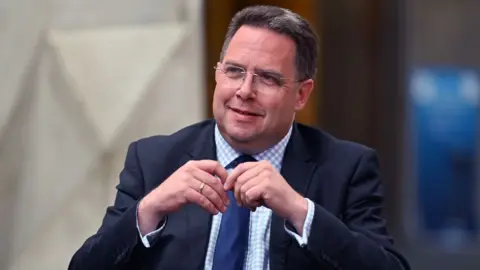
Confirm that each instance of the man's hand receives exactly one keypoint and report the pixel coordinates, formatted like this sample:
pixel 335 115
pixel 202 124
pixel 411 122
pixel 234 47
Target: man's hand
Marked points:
pixel 258 183
pixel 194 182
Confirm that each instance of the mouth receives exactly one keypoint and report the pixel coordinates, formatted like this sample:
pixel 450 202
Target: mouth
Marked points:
pixel 243 112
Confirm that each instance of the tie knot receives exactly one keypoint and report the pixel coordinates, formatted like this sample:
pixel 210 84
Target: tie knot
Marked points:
pixel 239 160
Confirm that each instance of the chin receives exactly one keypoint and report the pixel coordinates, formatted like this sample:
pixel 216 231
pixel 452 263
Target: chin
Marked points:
pixel 240 133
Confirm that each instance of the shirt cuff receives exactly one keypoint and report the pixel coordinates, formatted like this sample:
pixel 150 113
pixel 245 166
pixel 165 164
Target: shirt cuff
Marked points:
pixel 303 239
pixel 149 238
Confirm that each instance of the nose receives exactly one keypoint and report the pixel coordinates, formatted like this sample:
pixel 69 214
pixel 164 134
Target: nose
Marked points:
pixel 246 90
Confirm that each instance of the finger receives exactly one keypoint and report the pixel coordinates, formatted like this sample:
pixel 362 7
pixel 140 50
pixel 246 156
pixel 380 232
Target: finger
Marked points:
pixel 194 196
pixel 200 178
pixel 254 205
pixel 249 174
pixel 213 197
pixel 243 189
pixel 254 196
pixel 220 172
pixel 212 167
pixel 212 182
pixel 244 178
pixel 240 169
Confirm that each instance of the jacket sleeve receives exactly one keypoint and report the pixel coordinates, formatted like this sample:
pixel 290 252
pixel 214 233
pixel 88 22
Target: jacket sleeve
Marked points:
pixel 360 240
pixel 118 238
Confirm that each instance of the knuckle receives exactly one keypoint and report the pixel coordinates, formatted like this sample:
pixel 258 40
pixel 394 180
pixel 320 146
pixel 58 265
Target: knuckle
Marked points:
pixel 213 189
pixel 266 173
pixel 187 170
pixel 181 174
pixel 203 200
pixel 237 187
pixel 213 194
pixel 218 202
pixel 208 191
pixel 183 186
pixel 187 194
pixel 190 164
pixel 240 179
pixel 220 193
pixel 210 165
pixel 213 180
pixel 185 181
pixel 241 166
pixel 218 186
pixel 219 196
pixel 265 163
pixel 216 194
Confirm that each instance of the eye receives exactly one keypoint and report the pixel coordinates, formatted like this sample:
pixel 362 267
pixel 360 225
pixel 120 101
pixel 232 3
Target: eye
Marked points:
pixel 270 80
pixel 234 72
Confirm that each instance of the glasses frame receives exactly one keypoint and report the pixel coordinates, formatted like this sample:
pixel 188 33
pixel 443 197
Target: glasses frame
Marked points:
pixel 284 80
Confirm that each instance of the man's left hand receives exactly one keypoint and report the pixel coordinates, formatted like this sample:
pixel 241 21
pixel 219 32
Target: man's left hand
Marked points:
pixel 259 183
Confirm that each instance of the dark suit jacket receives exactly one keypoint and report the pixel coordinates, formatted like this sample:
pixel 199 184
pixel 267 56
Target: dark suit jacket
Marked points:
pixel 340 177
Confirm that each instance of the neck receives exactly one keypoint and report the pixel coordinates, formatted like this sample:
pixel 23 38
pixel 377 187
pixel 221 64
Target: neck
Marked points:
pixel 254 146
pixel 250 148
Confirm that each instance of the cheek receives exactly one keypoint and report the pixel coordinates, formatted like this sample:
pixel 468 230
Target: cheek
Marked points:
pixel 280 110
pixel 274 108
pixel 217 98
pixel 222 95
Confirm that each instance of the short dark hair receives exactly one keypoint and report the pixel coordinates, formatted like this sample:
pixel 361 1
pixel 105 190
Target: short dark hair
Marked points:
pixel 282 21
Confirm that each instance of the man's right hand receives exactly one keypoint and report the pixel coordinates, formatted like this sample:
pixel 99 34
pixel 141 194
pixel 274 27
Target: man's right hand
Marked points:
pixel 183 187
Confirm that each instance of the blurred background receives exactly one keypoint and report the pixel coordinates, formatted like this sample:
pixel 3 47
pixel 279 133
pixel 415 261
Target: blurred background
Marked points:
pixel 79 80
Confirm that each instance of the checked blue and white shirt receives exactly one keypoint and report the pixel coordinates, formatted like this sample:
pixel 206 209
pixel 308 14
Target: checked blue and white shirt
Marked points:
pixel 259 232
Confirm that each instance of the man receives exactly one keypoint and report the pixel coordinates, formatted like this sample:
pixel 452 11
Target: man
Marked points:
pixel 250 189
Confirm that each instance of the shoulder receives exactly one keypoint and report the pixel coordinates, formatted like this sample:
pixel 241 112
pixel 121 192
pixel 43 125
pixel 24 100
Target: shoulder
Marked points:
pixel 323 146
pixel 176 141
pixel 341 161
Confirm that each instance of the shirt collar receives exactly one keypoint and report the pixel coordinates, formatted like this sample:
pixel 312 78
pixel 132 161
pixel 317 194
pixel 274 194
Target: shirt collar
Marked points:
pixel 226 154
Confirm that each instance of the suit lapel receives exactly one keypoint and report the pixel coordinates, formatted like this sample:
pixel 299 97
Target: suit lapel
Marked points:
pixel 198 221
pixel 298 171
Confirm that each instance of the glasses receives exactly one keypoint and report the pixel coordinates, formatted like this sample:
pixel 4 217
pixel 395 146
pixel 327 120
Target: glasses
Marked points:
pixel 262 81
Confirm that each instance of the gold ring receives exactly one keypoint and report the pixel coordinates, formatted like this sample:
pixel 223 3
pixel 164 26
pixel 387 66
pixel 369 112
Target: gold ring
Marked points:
pixel 201 187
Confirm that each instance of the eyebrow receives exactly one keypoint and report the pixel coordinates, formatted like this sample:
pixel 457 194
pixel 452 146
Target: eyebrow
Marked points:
pixel 270 72
pixel 232 63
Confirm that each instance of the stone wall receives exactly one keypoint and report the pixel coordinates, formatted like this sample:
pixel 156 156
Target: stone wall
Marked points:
pixel 79 81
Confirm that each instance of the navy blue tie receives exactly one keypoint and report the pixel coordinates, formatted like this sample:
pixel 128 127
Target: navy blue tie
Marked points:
pixel 232 241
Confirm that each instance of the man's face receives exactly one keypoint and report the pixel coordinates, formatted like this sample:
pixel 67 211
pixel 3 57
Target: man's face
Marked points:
pixel 258 110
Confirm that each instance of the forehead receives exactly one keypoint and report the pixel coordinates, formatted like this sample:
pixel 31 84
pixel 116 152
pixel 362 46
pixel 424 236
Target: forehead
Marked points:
pixel 261 48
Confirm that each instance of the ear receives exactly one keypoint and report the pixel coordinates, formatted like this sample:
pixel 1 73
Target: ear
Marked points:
pixel 216 72
pixel 303 94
